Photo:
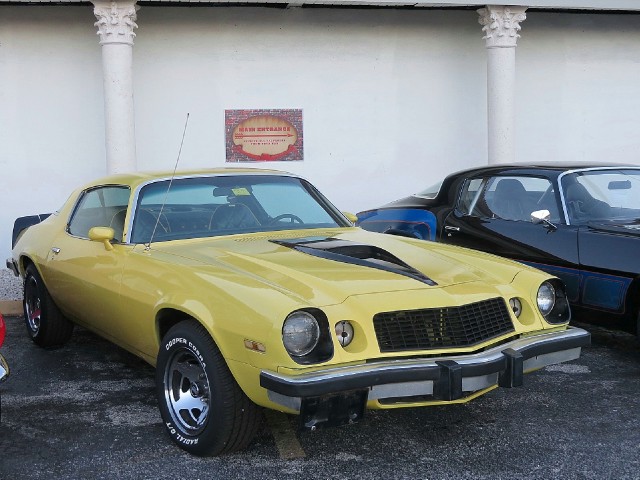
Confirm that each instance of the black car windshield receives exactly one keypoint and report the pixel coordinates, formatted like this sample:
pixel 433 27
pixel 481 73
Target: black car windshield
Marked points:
pixel 603 195
pixel 224 205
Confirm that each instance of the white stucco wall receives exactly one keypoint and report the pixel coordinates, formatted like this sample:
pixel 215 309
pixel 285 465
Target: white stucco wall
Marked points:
pixel 51 120
pixel 385 94
pixel 392 99
pixel 578 88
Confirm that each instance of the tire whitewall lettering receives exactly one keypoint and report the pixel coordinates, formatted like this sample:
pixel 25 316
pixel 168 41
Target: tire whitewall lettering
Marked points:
pixel 203 409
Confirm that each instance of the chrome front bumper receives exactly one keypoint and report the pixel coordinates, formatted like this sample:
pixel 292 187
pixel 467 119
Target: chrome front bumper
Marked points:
pixel 443 378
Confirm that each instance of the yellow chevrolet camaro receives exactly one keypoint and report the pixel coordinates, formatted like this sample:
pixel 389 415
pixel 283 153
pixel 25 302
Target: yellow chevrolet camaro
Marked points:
pixel 246 288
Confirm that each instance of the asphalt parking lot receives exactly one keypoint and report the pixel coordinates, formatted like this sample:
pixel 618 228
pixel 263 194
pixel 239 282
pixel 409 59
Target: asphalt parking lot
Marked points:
pixel 88 411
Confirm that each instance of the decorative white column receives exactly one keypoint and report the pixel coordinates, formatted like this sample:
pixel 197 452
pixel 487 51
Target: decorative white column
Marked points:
pixel 501 25
pixel 116 21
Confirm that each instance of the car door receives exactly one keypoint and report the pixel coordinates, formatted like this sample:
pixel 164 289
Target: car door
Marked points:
pixel 82 276
pixel 604 203
pixel 492 214
pixel 609 264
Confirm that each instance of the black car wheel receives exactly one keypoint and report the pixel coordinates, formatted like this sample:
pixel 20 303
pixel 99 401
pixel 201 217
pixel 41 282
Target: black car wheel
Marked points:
pixel 203 409
pixel 46 326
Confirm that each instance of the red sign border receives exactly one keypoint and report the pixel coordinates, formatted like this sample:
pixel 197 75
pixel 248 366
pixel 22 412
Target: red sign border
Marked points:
pixel 235 154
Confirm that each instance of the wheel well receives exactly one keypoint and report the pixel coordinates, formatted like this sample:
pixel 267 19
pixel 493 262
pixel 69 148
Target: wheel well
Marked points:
pixel 25 261
pixel 167 318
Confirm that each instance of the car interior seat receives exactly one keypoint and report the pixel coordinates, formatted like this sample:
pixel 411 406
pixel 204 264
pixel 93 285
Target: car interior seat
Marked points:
pixel 117 223
pixel 232 216
pixel 510 200
pixel 582 206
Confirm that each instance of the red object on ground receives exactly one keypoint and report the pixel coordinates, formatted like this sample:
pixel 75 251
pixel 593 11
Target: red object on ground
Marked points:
pixel 3 329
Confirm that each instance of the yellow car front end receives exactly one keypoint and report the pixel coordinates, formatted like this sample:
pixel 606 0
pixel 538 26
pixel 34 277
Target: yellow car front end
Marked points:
pixel 382 337
pixel 416 344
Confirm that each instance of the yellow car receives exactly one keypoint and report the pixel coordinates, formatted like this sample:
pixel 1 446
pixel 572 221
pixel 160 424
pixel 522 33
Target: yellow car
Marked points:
pixel 246 288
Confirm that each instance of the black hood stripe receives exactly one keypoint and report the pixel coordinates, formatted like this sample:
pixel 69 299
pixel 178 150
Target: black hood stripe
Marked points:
pixel 356 254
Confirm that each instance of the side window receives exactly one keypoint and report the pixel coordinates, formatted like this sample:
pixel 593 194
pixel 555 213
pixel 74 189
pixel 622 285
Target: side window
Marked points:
pixel 508 198
pixel 100 207
pixel 471 200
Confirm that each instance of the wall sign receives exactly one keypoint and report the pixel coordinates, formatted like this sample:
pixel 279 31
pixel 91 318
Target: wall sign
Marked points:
pixel 263 135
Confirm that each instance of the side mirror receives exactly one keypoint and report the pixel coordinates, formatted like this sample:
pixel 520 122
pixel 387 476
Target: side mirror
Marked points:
pixel 104 235
pixel 542 216
pixel 351 217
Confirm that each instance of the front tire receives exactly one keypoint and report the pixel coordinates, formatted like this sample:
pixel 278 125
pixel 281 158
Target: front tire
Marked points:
pixel 46 325
pixel 203 409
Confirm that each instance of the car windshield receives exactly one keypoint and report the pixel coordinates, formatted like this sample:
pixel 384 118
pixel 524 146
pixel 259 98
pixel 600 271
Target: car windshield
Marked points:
pixel 224 205
pixel 612 195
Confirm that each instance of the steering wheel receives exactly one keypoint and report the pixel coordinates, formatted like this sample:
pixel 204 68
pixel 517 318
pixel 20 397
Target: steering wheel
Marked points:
pixel 145 222
pixel 150 219
pixel 292 218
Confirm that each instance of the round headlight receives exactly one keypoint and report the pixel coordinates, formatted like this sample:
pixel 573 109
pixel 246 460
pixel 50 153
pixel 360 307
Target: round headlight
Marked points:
pixel 300 333
pixel 546 298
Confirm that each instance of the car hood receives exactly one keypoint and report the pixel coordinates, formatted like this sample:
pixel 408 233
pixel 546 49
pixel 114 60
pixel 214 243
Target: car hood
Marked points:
pixel 343 262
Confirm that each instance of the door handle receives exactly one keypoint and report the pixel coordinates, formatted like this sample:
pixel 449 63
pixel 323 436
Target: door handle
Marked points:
pixel 55 250
pixel 449 229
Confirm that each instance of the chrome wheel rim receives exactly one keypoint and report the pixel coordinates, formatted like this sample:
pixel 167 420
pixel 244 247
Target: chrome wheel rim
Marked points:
pixel 32 305
pixel 186 389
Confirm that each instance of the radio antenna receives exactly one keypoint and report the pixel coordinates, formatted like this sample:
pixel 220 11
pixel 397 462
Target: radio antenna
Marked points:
pixel 166 195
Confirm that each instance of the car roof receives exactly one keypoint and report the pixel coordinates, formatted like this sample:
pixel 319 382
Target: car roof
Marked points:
pixel 137 178
pixel 548 166
pixel 552 169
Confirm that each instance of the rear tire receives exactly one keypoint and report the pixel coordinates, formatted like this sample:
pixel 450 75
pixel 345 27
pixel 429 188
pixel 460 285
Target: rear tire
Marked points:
pixel 203 409
pixel 46 326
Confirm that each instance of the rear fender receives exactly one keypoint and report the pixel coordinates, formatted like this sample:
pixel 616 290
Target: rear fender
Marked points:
pixel 22 223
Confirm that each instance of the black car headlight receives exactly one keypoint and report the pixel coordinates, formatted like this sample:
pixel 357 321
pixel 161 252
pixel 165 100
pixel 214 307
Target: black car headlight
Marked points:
pixel 305 336
pixel 552 302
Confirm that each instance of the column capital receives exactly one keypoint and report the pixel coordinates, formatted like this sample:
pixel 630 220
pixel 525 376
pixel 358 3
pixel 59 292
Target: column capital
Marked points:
pixel 116 21
pixel 501 25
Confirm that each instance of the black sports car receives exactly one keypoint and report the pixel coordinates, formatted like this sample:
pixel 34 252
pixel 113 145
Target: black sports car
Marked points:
pixel 578 222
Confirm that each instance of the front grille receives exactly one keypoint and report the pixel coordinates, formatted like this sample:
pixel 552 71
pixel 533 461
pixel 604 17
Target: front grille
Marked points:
pixel 448 327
